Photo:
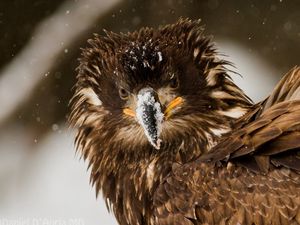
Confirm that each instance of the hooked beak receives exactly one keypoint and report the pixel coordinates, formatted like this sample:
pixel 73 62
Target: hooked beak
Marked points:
pixel 149 113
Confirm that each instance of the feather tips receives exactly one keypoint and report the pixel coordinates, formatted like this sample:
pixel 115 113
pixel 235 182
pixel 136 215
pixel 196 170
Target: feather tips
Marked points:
pixel 252 175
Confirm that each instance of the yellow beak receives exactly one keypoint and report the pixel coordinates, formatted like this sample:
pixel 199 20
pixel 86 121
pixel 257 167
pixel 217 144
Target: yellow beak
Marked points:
pixel 129 112
pixel 175 102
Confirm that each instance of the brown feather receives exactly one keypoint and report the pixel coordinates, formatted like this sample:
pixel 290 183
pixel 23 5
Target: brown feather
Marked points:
pixel 266 188
pixel 222 159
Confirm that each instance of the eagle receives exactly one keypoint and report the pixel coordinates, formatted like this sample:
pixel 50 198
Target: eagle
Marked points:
pixel 171 139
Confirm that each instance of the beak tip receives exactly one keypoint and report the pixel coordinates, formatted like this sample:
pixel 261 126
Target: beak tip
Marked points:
pixel 156 144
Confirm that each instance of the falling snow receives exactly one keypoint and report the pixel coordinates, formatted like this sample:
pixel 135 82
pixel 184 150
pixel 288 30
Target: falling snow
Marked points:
pixel 143 54
pixel 55 127
pixel 159 56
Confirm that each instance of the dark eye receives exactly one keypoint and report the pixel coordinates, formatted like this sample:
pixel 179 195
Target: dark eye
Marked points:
pixel 123 94
pixel 174 83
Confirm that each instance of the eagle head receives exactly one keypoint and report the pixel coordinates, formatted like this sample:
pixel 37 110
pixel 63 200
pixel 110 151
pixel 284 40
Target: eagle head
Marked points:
pixel 153 87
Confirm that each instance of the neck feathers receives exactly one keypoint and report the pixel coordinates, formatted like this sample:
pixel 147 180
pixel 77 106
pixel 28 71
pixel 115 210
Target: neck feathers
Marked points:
pixel 128 172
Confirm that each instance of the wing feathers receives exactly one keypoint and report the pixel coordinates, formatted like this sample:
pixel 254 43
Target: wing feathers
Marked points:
pixel 220 187
pixel 275 131
pixel 226 196
pixel 288 141
pixel 287 89
pixel 291 161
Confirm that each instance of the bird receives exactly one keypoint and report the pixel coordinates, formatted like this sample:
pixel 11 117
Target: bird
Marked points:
pixel 170 138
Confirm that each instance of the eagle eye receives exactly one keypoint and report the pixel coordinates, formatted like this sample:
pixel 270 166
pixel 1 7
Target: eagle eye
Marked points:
pixel 123 93
pixel 174 83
